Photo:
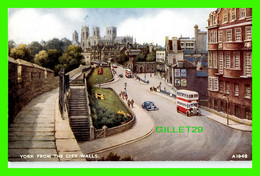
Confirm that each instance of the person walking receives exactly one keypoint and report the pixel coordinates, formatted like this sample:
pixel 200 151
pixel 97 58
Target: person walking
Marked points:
pixel 126 96
pixel 132 103
pixel 128 103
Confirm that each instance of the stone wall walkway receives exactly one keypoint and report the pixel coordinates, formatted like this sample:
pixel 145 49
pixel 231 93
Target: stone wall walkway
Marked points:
pixel 38 133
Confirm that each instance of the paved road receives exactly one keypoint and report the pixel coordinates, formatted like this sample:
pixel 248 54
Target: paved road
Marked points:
pixel 216 142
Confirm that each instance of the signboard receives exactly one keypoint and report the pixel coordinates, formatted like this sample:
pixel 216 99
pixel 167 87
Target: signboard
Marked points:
pixel 177 73
pixel 183 82
pixel 183 72
pixel 177 82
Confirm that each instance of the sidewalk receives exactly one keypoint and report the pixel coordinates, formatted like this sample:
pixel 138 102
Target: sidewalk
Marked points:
pixel 213 116
pixel 39 134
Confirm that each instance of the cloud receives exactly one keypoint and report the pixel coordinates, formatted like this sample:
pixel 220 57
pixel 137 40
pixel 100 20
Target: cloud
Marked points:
pixel 167 22
pixel 27 25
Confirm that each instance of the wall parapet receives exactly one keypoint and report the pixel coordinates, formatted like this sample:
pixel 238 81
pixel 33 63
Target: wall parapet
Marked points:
pixel 25 82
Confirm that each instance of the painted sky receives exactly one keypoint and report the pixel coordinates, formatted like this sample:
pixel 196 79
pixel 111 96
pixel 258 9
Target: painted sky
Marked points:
pixel 146 25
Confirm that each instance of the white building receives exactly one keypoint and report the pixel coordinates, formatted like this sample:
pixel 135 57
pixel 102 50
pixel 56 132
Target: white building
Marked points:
pixel 160 56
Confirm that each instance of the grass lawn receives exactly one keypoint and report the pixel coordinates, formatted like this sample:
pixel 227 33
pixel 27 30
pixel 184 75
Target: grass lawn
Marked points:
pixel 94 78
pixel 111 101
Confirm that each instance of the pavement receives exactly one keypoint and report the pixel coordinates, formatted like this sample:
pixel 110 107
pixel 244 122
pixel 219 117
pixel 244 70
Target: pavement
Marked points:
pixel 38 133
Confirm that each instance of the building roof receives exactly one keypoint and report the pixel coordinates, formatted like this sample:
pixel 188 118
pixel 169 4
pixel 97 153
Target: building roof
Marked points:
pixel 202 73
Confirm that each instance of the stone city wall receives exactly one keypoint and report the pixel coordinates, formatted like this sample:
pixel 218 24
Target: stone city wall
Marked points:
pixel 26 81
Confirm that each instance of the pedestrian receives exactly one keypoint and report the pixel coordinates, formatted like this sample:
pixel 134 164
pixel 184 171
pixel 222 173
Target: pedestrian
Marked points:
pixel 128 103
pixel 126 97
pixel 132 103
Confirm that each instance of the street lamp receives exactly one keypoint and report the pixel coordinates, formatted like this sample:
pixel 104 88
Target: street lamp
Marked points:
pixel 125 86
pixel 226 96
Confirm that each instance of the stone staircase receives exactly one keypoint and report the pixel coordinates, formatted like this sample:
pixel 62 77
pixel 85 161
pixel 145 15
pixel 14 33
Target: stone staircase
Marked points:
pixel 78 113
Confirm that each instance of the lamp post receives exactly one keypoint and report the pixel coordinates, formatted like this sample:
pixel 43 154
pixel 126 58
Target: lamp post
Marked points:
pixel 125 86
pixel 227 99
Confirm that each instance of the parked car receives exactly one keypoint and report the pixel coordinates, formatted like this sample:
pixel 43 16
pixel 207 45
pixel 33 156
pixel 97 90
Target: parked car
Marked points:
pixel 121 76
pixel 149 106
pixel 114 66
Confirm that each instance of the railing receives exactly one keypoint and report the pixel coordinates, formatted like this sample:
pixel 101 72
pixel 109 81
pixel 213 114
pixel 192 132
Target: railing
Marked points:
pixel 63 88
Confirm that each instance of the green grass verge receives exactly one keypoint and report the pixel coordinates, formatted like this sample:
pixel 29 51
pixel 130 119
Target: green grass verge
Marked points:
pixel 111 101
pixel 95 78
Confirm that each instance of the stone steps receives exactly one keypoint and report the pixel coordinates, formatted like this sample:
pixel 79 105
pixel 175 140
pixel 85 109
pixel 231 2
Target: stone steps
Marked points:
pixel 78 114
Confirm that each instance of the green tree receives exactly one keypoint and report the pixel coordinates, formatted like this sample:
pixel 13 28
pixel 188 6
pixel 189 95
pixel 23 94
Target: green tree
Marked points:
pixel 35 48
pixel 65 43
pixel 53 44
pixel 42 58
pixel 21 52
pixel 71 58
pixel 53 56
pixel 11 45
pixel 150 57
pixel 141 57
pixel 121 59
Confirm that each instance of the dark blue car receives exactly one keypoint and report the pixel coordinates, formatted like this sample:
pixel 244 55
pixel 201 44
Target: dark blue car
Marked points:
pixel 149 106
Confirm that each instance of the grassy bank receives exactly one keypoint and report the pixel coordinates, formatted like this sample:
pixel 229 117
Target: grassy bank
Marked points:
pixel 111 101
pixel 95 78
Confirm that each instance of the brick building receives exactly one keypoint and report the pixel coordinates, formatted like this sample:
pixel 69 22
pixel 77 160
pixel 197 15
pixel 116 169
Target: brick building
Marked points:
pixel 186 76
pixel 230 61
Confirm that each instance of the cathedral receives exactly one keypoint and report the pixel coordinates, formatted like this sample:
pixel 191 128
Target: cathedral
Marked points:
pixel 111 38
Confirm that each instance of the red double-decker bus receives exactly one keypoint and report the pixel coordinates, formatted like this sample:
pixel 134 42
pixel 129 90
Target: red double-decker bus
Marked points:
pixel 187 102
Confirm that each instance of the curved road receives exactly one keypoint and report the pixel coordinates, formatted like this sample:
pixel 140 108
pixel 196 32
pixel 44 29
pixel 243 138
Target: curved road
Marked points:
pixel 216 142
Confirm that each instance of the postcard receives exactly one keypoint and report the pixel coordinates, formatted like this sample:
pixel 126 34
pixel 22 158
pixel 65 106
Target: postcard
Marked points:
pixel 129 84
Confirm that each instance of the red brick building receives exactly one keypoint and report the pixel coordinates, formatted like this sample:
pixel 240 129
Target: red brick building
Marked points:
pixel 230 61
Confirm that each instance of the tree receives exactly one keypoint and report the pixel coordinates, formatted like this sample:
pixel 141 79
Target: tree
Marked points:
pixel 11 45
pixel 71 58
pixel 121 59
pixel 150 57
pixel 54 56
pixel 53 44
pixel 21 52
pixel 42 58
pixel 141 57
pixel 35 48
pixel 65 43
